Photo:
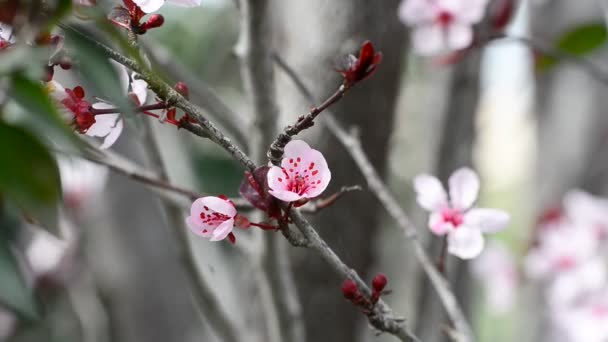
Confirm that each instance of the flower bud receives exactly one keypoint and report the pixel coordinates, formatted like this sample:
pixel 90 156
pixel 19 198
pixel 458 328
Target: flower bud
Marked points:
pixel 350 289
pixel 155 20
pixel 182 88
pixel 379 282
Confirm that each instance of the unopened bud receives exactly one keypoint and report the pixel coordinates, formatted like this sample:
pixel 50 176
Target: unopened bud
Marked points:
pixel 379 282
pixel 182 88
pixel 155 20
pixel 350 289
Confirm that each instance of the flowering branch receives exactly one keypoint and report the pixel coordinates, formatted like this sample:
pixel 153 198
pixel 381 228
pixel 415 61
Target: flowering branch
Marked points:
pixel 382 318
pixel 380 190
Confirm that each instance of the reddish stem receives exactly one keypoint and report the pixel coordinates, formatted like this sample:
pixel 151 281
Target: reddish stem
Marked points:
pixel 264 226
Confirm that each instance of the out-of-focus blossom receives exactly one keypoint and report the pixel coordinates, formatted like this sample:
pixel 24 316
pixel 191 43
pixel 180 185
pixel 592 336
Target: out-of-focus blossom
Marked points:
pixel 149 6
pixel 585 322
pixel 303 173
pixel 560 248
pixel 587 210
pixel 80 180
pixel 212 218
pixel 496 270
pixel 457 216
pixel 441 25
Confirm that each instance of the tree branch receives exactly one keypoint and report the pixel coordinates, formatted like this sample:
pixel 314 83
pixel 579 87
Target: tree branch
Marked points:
pixel 380 190
pixel 382 317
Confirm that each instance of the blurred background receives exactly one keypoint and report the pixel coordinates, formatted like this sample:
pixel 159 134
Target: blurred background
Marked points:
pixel 534 130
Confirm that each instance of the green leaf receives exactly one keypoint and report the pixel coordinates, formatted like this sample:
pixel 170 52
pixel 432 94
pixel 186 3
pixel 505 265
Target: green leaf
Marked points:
pixel 41 113
pixel 25 59
pixel 578 42
pixel 29 174
pixel 62 9
pixel 14 291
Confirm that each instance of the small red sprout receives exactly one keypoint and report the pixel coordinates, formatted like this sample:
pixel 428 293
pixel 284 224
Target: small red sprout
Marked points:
pixel 351 292
pixel 155 20
pixel 350 289
pixel 359 68
pixel 130 17
pixel 182 88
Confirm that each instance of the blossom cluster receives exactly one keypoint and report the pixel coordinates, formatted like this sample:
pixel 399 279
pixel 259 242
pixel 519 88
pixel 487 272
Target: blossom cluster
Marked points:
pixel 569 257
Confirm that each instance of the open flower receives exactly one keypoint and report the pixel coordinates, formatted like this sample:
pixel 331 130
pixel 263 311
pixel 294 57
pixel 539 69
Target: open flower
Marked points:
pixel 457 217
pixel 212 217
pixel 440 25
pixel 149 6
pixel 110 126
pixel 303 173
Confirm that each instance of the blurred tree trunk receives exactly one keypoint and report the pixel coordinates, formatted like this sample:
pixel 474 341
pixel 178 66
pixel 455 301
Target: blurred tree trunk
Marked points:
pixel 455 151
pixel 311 36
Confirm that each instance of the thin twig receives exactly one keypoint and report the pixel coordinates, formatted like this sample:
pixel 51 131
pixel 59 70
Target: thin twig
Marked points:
pixel 382 317
pixel 353 146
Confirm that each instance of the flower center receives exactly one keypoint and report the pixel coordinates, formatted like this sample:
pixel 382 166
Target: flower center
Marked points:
pixel 452 216
pixel 444 18
pixel 298 185
pixel 565 262
pixel 214 218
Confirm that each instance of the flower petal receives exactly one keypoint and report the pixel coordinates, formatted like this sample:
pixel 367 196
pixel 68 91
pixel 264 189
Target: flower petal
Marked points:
pixel 413 12
pixel 459 36
pixel 111 138
pixel 487 220
pixel 185 3
pixel 149 6
pixel 216 204
pixel 197 227
pixel 430 193
pixel 285 196
pixel 104 123
pixel 465 242
pixel 222 230
pixel 428 39
pixel 140 89
pixel 464 187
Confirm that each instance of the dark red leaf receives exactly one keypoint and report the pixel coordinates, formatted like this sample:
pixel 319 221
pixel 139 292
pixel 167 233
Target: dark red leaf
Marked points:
pixel 134 10
pixel 359 68
pixel 232 238
pixel 254 188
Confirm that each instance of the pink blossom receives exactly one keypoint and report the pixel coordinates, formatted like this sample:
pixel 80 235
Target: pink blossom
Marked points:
pixel 149 6
pixel 586 321
pixel 457 217
pixel 81 180
pixel 496 270
pixel 212 217
pixel 587 210
pixel 303 173
pixel 441 25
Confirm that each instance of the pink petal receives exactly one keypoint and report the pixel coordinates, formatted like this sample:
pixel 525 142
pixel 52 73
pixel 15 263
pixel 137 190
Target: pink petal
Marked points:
pixel 197 227
pixel 185 3
pixel 111 138
pixel 415 12
pixel 568 286
pixel 219 205
pixel 276 179
pixel 428 39
pixel 314 166
pixel 149 6
pixel 285 196
pixel 222 230
pixel 430 193
pixel 487 220
pixel 465 242
pixel 459 36
pixel 464 187
pixel 471 11
pixel 438 226
pixel 296 148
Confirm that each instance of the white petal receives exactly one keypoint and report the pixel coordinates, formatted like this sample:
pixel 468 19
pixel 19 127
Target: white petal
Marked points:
pixel 487 220
pixel 286 196
pixel 416 12
pixel 104 123
pixel 296 148
pixel 45 253
pixel 430 193
pixel 428 39
pixel 149 6
pixel 222 230
pixel 140 89
pixel 185 3
pixel 111 138
pixel 570 285
pixel 464 187
pixel 465 242
pixel 459 36
pixel 6 32
pixel 218 205
pixel 197 227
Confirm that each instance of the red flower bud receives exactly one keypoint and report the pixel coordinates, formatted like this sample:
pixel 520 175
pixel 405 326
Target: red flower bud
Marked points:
pixel 350 289
pixel 79 92
pixel 182 88
pixel 359 68
pixel 155 20
pixel 232 238
pixel 379 282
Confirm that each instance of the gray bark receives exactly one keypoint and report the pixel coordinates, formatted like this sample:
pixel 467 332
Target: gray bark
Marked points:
pixel 311 37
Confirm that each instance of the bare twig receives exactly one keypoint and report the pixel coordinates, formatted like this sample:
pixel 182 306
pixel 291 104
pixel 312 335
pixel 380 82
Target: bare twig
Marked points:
pixel 353 146
pixel 382 317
